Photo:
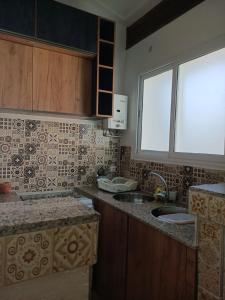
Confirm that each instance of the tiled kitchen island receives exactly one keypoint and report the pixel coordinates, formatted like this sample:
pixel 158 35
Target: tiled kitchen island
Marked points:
pixel 44 238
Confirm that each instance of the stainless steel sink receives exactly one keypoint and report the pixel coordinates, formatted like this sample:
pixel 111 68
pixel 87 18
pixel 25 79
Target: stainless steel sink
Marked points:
pixel 133 197
pixel 166 210
pixel 173 214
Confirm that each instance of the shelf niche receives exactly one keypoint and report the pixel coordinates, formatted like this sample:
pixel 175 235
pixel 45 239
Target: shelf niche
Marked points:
pixel 105 101
pixel 107 30
pixel 105 79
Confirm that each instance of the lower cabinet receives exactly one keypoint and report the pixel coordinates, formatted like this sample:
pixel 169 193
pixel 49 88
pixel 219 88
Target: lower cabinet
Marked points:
pixel 158 267
pixel 137 262
pixel 109 274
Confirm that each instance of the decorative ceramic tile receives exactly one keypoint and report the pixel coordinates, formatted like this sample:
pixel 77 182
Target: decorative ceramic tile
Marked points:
pixel 75 246
pixel 222 212
pixel 210 237
pixel 215 209
pixel 28 256
pixel 198 204
pixel 209 279
pixel 33 150
pixel 2 260
pixel 179 178
pixel 210 232
pixel 204 295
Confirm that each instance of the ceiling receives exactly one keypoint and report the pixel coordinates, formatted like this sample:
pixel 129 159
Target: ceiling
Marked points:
pixel 128 10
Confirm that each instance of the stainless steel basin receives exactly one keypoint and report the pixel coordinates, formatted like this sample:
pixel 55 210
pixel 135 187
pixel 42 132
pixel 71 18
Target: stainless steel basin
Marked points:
pixel 173 214
pixel 133 197
pixel 166 210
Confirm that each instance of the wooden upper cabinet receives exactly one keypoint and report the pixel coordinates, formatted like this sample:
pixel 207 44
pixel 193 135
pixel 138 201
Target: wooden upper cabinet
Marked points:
pixel 61 82
pixel 15 75
pixel 83 86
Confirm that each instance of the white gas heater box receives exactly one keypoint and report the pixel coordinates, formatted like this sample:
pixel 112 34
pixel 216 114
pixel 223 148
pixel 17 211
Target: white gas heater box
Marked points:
pixel 119 120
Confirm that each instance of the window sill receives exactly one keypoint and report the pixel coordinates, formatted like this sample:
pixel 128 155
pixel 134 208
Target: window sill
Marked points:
pixel 201 161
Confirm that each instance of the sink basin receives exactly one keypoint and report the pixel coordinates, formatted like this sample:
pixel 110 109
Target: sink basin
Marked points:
pixel 133 197
pixel 173 214
pixel 166 210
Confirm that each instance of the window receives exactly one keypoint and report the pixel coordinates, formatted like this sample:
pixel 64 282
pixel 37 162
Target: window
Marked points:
pixel 156 113
pixel 183 110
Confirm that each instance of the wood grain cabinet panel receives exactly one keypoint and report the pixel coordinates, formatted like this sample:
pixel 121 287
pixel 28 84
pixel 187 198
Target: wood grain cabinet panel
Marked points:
pixel 109 274
pixel 137 262
pixel 83 86
pixel 158 267
pixel 15 75
pixel 61 82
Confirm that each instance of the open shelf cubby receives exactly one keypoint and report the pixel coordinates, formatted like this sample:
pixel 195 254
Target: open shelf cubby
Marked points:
pixel 105 103
pixel 104 75
pixel 106 54
pixel 105 79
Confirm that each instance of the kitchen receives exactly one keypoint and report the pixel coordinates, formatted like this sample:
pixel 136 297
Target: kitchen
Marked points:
pixel 67 67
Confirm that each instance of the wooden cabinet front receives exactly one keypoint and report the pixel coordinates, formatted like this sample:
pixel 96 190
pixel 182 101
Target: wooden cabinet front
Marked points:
pixel 61 82
pixel 15 75
pixel 158 267
pixel 110 271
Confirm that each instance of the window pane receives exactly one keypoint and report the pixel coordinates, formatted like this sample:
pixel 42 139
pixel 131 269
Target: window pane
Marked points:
pixel 156 112
pixel 200 116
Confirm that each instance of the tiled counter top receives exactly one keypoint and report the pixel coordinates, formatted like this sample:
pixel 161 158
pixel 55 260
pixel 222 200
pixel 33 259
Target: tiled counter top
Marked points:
pixel 33 215
pixel 207 202
pixel 182 233
pixel 45 236
pixel 213 189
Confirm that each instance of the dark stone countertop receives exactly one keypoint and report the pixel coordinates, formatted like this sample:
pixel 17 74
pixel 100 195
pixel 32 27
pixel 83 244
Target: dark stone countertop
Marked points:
pixel 217 189
pixel 34 215
pixel 182 233
pixel 9 197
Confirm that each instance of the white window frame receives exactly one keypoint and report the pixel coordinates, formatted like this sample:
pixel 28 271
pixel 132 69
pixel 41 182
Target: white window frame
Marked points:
pixel 210 161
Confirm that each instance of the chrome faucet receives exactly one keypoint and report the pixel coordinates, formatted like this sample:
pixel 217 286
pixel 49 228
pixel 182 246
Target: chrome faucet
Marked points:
pixel 163 181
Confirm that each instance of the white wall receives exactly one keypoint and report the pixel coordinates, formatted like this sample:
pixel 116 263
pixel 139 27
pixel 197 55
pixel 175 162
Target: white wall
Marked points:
pixel 95 7
pixel 203 23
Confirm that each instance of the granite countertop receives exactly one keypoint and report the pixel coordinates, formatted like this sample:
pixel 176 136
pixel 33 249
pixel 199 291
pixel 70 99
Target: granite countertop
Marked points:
pixel 33 215
pixel 9 197
pixel 182 233
pixel 217 189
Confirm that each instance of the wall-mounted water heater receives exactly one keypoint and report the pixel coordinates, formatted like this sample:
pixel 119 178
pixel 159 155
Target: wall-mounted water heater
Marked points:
pixel 119 120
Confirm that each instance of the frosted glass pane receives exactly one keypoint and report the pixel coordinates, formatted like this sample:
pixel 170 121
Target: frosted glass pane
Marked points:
pixel 200 117
pixel 156 112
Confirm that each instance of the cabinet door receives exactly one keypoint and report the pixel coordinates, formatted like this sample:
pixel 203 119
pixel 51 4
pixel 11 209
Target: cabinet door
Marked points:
pixel 61 82
pixel 110 270
pixel 83 86
pixel 15 75
pixel 18 16
pixel 65 25
pixel 157 266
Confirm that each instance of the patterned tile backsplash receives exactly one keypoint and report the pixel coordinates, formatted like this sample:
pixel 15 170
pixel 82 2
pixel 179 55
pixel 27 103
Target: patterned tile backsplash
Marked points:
pixel 46 155
pixel 178 177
